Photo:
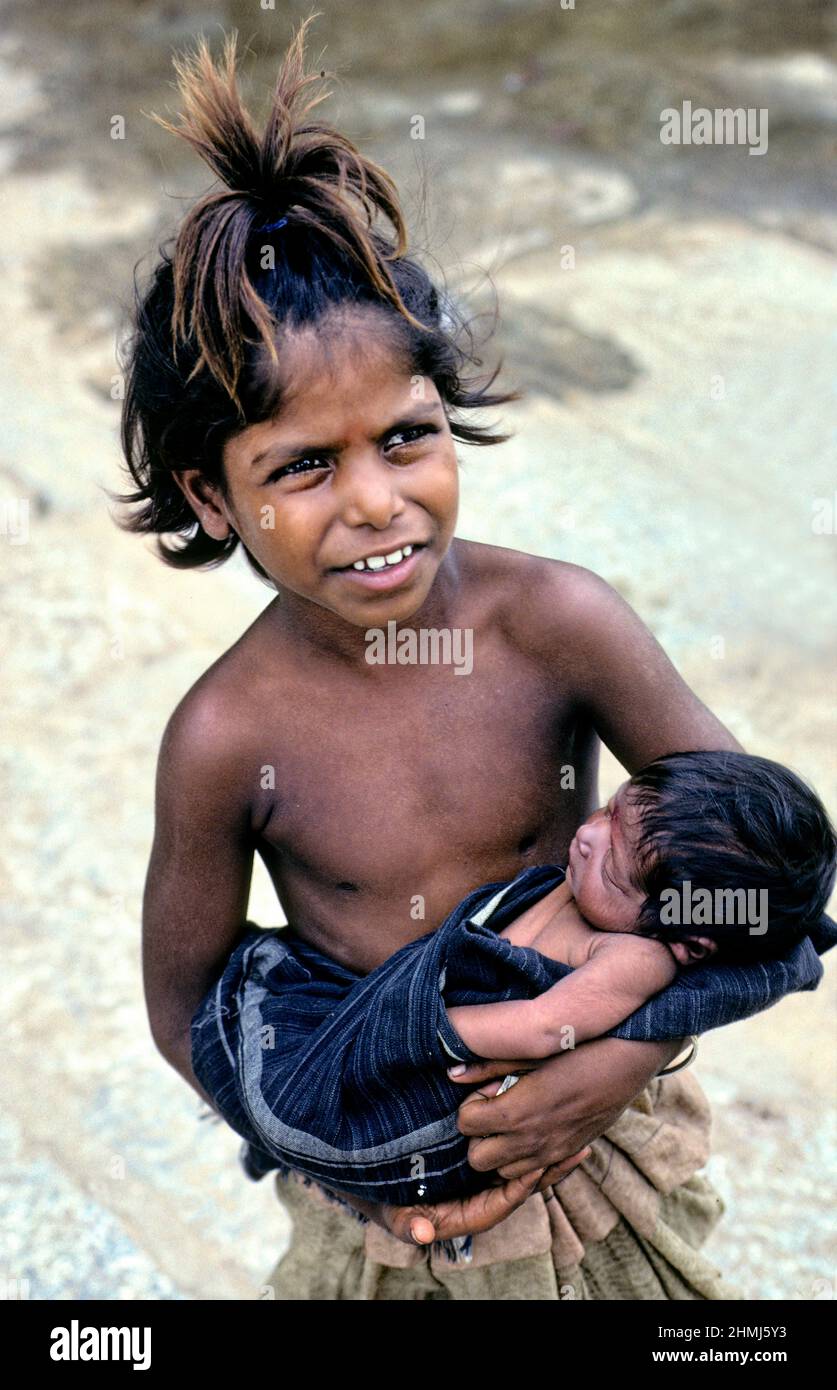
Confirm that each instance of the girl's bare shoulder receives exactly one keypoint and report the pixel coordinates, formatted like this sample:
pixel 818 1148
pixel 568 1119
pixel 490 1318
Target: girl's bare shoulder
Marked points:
pixel 226 700
pixel 556 580
pixel 540 599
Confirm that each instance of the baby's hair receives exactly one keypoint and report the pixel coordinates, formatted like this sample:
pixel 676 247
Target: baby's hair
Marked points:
pixel 725 821
pixel 204 356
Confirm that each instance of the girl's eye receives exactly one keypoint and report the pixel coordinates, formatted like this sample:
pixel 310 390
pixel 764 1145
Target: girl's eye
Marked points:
pixel 398 439
pixel 293 469
pixel 418 431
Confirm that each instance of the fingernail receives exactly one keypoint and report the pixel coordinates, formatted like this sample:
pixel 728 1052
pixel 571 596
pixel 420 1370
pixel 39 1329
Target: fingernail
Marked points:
pixel 457 1071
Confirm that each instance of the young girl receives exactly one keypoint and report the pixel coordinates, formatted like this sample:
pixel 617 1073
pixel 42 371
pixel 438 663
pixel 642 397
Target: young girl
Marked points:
pixel 296 386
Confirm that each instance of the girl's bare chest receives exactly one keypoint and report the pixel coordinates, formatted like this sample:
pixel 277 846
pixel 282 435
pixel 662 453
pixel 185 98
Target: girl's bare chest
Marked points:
pixel 471 764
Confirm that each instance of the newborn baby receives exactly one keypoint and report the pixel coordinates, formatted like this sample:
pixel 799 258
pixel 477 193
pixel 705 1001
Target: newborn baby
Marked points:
pixel 343 1077
pixel 740 852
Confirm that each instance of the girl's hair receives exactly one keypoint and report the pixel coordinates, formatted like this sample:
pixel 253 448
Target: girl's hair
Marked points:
pixel 203 360
pixel 727 821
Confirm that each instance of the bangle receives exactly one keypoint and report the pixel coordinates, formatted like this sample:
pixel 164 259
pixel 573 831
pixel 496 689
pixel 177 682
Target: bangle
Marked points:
pixel 687 1060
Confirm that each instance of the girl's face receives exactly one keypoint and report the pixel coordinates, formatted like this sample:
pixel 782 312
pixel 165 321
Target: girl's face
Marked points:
pixel 359 464
pixel 599 866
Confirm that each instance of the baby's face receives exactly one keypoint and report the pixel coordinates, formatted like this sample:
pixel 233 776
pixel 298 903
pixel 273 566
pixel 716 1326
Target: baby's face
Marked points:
pixel 601 858
pixel 600 864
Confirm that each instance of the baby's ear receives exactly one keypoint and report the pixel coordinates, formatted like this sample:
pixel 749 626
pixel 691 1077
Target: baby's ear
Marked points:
pixel 693 949
pixel 701 946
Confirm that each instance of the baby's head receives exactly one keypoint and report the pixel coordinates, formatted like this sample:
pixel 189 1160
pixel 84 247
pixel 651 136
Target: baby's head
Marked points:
pixel 295 382
pixel 707 851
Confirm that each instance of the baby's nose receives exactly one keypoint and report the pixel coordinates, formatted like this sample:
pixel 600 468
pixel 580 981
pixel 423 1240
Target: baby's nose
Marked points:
pixel 582 837
pixel 588 833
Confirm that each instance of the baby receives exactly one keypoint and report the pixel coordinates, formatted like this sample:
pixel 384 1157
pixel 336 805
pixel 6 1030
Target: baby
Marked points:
pixel 343 1076
pixel 734 845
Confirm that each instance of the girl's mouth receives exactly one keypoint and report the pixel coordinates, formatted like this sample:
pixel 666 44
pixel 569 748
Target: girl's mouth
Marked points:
pixel 388 576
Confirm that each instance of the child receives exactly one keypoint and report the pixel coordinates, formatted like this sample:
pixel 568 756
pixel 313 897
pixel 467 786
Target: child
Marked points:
pixel 341 1076
pixel 295 385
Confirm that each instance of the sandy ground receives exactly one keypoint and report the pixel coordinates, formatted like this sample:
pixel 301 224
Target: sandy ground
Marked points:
pixel 694 499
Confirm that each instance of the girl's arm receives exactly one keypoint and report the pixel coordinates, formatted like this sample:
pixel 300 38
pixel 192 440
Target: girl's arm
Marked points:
pixel 641 708
pixel 198 879
pixel 623 681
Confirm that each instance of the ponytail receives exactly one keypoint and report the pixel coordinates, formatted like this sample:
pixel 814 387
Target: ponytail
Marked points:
pixel 309 172
pixel 203 361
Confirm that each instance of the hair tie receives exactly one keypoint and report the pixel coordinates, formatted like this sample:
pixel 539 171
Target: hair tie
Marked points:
pixel 274 226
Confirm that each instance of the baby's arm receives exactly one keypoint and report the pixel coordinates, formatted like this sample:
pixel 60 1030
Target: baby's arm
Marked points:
pixel 622 973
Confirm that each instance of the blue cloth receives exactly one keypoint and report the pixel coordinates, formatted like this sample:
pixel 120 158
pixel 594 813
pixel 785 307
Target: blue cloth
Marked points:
pixel 342 1077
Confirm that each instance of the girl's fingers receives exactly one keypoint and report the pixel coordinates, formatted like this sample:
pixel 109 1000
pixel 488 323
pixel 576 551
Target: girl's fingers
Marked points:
pixel 486 1089
pixel 501 1151
pixel 487 1208
pixel 475 1072
pixel 559 1171
pixel 461 1218
pixel 555 1174
pixel 422 1230
pixel 410 1225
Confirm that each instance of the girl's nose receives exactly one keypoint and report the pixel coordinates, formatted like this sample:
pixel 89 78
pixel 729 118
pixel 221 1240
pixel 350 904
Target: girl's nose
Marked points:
pixel 368 494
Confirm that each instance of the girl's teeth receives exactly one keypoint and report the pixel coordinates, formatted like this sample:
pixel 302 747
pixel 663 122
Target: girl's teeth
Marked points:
pixel 377 562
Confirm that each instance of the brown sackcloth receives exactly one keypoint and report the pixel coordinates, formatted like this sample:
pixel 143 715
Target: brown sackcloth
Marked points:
pixel 628 1223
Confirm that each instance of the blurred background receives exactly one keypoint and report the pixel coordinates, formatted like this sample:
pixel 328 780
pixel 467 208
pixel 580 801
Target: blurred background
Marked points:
pixel 669 310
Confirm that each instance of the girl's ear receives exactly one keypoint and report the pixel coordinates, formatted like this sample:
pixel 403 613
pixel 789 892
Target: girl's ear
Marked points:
pixel 204 499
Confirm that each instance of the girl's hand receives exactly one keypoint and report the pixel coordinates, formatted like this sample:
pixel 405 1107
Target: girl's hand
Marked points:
pixel 540 1130
pixel 558 1108
pixel 420 1225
